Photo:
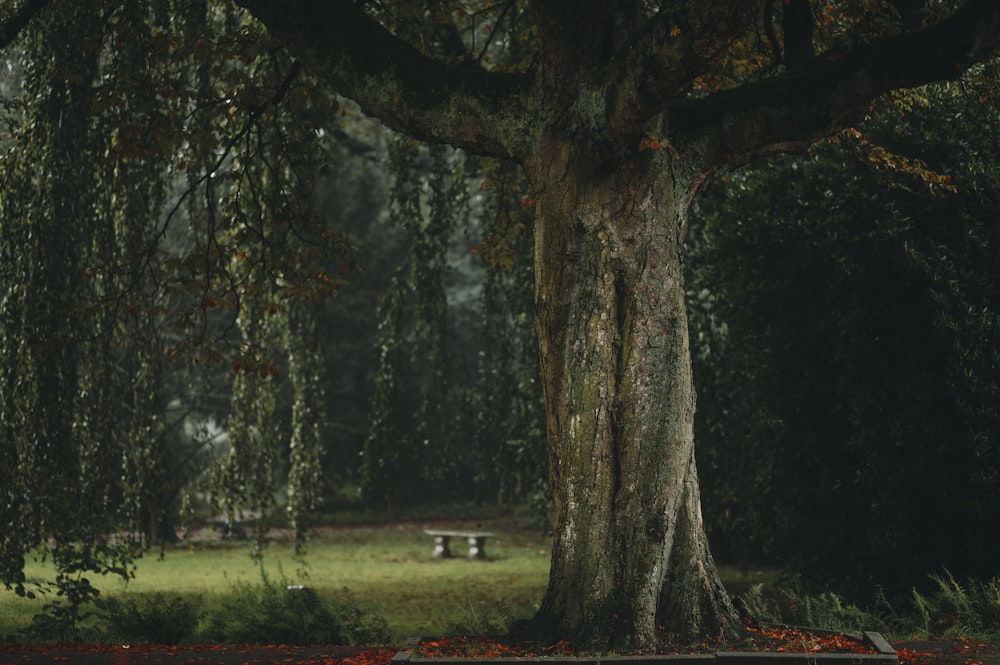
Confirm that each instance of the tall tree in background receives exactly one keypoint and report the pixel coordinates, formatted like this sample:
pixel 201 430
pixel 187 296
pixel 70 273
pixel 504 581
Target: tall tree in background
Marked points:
pixel 621 115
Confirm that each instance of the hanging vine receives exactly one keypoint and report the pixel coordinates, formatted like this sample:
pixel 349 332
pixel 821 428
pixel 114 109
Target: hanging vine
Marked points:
pixel 308 426
pixel 421 410
pixel 156 227
pixel 55 475
pixel 385 458
pixel 428 200
pixel 510 427
pixel 280 269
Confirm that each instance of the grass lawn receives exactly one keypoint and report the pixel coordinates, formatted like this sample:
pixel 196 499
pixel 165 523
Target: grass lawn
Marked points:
pixel 387 568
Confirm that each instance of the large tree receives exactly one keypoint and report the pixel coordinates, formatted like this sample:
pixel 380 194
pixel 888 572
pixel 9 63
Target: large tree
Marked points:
pixel 622 113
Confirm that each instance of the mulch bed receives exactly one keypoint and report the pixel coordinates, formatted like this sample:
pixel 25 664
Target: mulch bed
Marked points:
pixel 911 652
pixel 947 652
pixel 779 639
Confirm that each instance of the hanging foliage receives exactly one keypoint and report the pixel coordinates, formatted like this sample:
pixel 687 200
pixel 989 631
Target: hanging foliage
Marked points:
pixel 308 425
pixel 443 200
pixel 510 427
pixel 156 232
pixel 429 198
pixel 48 460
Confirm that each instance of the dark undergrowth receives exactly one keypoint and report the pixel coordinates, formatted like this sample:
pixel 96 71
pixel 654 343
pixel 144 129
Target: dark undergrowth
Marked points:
pixel 268 612
pixel 950 609
pixel 274 612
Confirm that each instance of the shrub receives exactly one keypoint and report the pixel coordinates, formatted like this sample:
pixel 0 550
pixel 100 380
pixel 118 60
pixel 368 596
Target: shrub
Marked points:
pixel 156 619
pixel 826 610
pixel 955 610
pixel 493 621
pixel 360 625
pixel 66 618
pixel 279 613
pixel 949 609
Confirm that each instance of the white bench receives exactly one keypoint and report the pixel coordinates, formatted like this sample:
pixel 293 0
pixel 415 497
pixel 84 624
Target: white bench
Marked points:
pixel 476 540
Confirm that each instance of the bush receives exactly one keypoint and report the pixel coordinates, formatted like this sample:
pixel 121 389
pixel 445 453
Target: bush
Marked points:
pixel 359 624
pixel 955 610
pixel 948 609
pixel 826 610
pixel 67 618
pixel 496 620
pixel 279 613
pixel 155 620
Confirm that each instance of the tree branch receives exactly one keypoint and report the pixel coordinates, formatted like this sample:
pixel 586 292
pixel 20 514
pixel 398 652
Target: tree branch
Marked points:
pixel 674 47
pixel 12 26
pixel 465 106
pixel 832 92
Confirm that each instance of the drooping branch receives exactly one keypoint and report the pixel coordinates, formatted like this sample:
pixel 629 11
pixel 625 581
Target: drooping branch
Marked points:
pixel 12 25
pixel 832 91
pixel 483 112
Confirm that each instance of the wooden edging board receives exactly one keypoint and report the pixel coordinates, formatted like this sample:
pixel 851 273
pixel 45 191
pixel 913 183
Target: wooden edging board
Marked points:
pixel 886 656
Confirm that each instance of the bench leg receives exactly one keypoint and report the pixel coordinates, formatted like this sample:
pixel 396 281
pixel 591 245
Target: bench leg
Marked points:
pixel 477 547
pixel 441 548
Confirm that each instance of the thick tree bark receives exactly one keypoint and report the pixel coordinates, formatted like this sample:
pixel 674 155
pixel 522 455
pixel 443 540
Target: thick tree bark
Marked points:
pixel 630 557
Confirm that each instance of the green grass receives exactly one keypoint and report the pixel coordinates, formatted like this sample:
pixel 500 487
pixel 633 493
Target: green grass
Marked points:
pixel 387 569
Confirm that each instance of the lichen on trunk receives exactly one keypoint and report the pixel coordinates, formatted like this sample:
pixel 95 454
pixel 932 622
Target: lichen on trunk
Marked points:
pixel 630 559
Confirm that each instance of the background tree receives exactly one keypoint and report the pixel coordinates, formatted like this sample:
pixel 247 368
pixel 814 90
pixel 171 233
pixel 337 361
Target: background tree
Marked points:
pixel 846 326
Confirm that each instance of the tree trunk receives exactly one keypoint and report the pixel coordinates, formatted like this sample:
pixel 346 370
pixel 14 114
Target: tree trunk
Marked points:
pixel 630 559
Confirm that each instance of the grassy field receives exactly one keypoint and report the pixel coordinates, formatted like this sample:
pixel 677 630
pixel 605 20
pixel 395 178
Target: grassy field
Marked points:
pixel 386 568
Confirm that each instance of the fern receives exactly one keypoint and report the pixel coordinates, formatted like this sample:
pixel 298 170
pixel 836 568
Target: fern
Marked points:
pixel 950 609
pixel 924 611
pixel 156 619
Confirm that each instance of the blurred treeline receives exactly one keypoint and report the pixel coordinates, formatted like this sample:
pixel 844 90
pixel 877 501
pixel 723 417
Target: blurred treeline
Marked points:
pixel 846 317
